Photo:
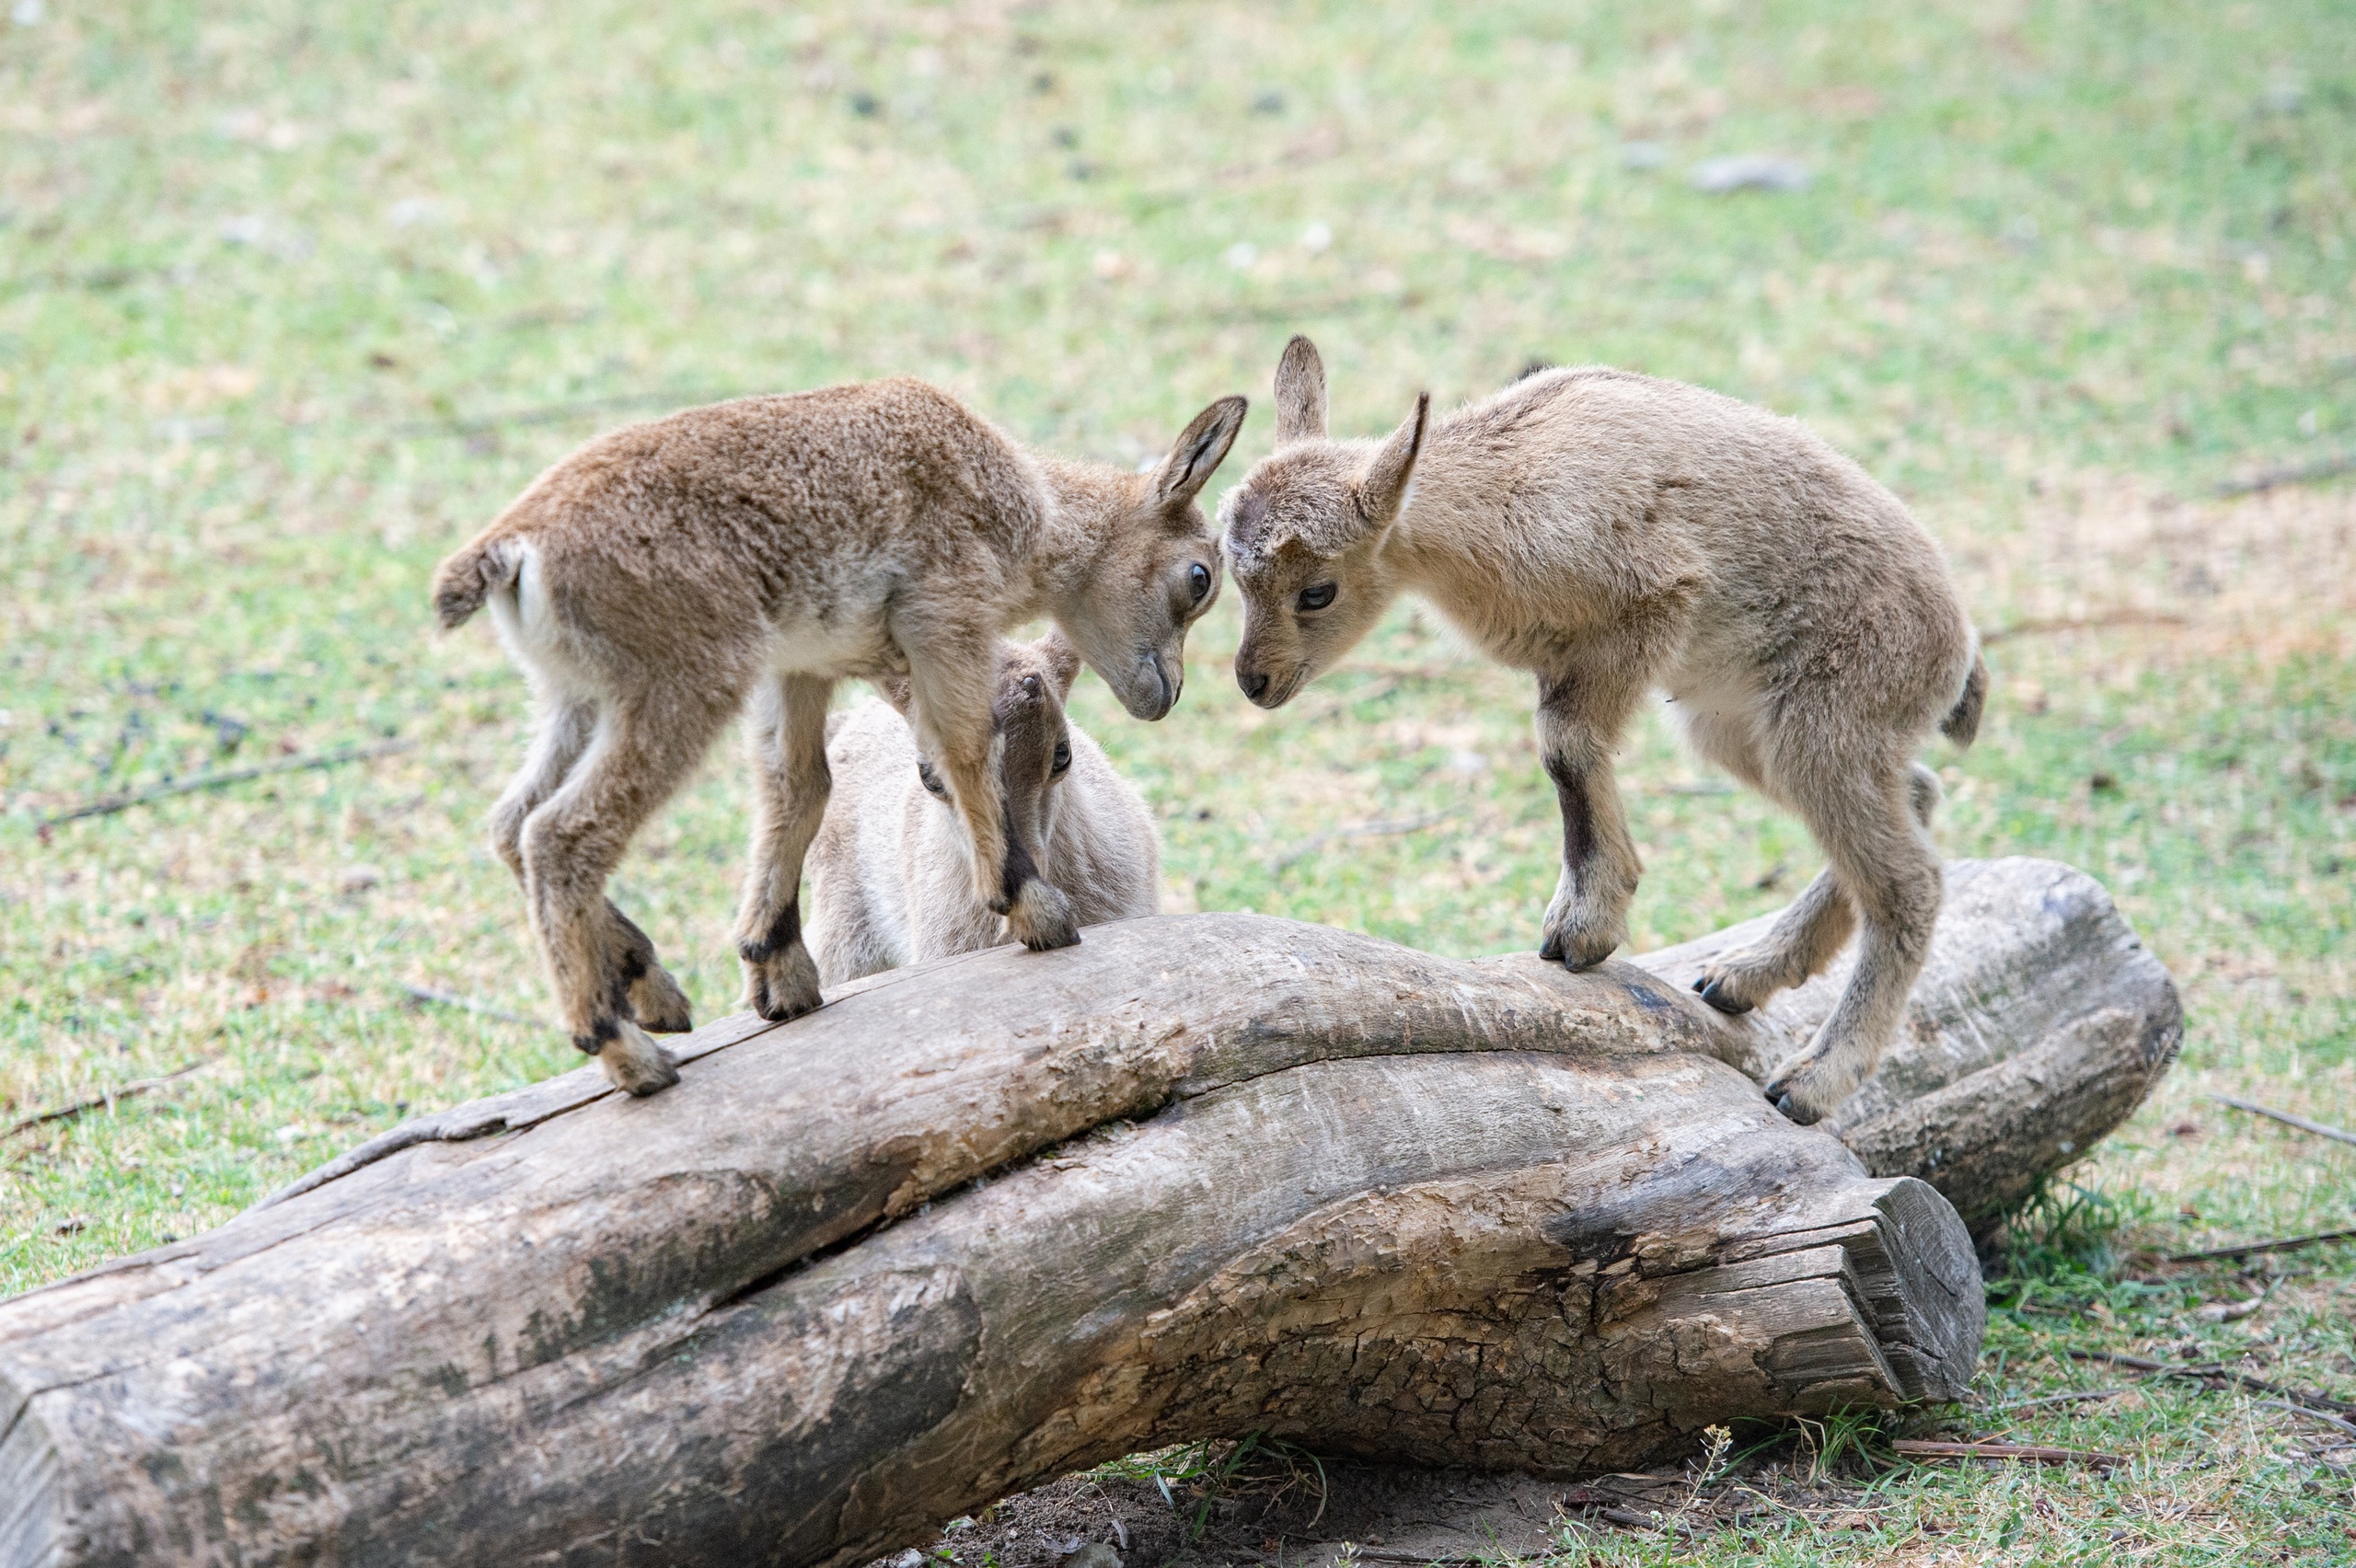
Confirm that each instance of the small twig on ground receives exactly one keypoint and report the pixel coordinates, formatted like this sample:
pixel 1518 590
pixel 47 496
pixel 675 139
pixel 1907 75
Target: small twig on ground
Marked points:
pixel 468 1004
pixel 2307 1396
pixel 2320 1129
pixel 108 804
pixel 2235 1311
pixel 2252 1249
pixel 2073 1398
pixel 2081 623
pixel 2323 1415
pixel 1601 1507
pixel 2289 474
pixel 2027 1453
pixel 105 1097
pixel 1315 842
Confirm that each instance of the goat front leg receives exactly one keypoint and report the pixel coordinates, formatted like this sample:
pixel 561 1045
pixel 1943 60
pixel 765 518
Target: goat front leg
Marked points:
pixel 1579 717
pixel 952 702
pixel 787 743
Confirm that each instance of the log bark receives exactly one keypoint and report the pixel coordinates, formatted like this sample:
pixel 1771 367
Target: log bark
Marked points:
pixel 975 1224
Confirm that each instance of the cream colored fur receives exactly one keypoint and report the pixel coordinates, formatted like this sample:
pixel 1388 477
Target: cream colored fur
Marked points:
pixel 657 580
pixel 1615 535
pixel 888 883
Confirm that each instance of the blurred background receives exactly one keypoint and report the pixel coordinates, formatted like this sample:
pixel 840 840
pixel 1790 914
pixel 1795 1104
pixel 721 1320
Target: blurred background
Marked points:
pixel 293 297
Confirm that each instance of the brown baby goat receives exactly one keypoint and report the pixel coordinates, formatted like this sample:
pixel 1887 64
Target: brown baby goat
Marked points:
pixel 1614 535
pixel 888 884
pixel 767 548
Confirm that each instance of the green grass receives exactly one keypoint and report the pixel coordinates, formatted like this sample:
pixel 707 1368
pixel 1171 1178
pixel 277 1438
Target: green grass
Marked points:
pixel 275 279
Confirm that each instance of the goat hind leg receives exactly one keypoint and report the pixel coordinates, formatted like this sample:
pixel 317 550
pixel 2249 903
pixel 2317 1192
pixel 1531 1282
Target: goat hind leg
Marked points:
pixel 559 736
pixel 654 998
pixel 565 728
pixel 1923 792
pixel 790 786
pixel 1870 831
pixel 1801 941
pixel 570 845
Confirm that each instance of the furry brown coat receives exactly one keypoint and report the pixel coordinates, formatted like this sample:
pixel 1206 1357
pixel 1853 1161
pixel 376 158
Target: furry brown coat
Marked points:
pixel 1613 535
pixel 888 884
pixel 657 578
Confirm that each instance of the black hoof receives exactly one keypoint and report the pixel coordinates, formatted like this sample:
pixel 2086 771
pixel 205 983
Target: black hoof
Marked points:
pixel 775 1009
pixel 1719 999
pixel 781 1012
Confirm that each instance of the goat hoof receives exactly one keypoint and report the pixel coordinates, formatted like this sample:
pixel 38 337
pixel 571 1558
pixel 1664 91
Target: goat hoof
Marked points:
pixel 1580 936
pixel 1582 952
pixel 1713 991
pixel 783 986
pixel 635 1063
pixel 1788 1092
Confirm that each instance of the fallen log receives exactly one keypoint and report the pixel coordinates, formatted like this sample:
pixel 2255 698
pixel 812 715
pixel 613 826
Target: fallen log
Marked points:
pixel 978 1224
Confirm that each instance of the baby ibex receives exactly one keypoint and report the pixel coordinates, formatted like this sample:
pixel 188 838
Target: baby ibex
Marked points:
pixel 888 884
pixel 1613 534
pixel 769 547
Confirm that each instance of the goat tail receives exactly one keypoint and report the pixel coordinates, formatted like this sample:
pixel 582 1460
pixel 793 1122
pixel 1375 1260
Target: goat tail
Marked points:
pixel 1962 723
pixel 473 574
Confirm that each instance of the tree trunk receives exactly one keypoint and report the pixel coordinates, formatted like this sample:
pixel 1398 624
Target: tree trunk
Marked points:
pixel 973 1225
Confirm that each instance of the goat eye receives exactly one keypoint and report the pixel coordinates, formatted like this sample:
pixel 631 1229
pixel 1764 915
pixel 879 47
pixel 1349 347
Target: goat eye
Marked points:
pixel 1063 749
pixel 930 780
pixel 1199 580
pixel 1317 595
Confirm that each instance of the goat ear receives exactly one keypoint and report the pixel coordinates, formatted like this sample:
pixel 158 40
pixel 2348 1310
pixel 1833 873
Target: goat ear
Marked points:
pixel 900 691
pixel 1383 490
pixel 1062 660
pixel 1199 451
pixel 1300 394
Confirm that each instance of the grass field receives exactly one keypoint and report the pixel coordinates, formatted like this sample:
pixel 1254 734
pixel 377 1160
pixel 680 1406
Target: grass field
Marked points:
pixel 293 296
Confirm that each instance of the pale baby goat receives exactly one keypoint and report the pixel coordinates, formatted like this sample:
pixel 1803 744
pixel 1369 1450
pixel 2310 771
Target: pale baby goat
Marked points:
pixel 1613 535
pixel 767 548
pixel 887 874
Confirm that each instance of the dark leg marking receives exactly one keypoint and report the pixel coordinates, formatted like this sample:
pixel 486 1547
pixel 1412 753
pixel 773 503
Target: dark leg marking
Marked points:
pixel 1578 813
pixel 631 969
pixel 783 933
pixel 589 1045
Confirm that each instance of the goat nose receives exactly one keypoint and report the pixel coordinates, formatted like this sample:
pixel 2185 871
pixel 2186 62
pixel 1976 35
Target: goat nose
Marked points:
pixel 1254 683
